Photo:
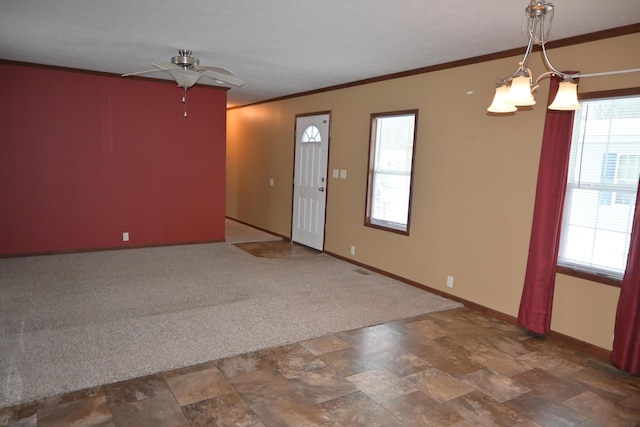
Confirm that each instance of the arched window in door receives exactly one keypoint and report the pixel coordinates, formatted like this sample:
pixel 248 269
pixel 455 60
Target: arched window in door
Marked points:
pixel 311 134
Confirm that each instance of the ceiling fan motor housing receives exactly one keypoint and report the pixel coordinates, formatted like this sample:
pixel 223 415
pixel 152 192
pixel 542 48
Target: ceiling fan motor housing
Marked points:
pixel 185 60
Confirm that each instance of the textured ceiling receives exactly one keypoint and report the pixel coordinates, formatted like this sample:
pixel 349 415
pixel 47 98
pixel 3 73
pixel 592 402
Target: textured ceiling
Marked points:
pixel 282 47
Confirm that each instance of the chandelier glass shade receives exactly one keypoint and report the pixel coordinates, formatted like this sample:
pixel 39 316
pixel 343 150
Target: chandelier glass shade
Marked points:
pixel 500 104
pixel 567 97
pixel 520 94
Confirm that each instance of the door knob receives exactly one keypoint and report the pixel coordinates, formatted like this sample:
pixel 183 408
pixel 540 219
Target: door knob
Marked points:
pixel 321 189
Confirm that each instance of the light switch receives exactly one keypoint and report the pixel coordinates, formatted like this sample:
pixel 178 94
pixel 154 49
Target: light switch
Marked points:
pixel 343 173
pixel 336 173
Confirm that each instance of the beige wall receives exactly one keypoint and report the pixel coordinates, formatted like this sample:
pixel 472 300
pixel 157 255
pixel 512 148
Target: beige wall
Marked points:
pixel 474 180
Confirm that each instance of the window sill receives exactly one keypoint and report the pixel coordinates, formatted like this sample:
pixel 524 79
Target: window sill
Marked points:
pixel 599 278
pixel 379 226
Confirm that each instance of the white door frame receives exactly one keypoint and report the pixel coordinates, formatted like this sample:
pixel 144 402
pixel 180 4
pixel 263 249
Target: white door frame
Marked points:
pixel 310 181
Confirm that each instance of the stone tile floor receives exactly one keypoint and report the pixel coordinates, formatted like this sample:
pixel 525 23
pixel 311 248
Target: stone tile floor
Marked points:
pixel 454 368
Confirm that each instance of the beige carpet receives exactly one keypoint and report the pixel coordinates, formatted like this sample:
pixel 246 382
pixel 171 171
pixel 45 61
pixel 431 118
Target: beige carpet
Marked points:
pixel 73 321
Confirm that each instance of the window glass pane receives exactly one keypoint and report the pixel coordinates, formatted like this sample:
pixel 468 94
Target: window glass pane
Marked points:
pixel 391 199
pixel 604 169
pixel 628 167
pixel 311 134
pixel 394 144
pixel 389 187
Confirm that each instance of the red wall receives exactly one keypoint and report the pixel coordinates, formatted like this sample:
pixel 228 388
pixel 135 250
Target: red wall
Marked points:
pixel 85 157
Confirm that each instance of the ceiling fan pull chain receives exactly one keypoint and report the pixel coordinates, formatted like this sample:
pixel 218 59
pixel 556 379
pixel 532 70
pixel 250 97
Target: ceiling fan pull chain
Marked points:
pixel 184 101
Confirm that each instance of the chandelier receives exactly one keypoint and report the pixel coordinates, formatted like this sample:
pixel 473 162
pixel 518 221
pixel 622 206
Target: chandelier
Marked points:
pixel 517 90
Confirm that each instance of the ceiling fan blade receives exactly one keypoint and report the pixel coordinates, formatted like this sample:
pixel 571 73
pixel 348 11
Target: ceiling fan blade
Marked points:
pixel 165 66
pixel 220 70
pixel 160 66
pixel 140 72
pixel 224 78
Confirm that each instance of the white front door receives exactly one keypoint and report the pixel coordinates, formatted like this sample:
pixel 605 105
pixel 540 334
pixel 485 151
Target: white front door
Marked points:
pixel 310 180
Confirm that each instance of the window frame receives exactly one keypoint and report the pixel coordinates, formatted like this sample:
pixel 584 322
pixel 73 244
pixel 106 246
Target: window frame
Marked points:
pixel 373 132
pixel 575 270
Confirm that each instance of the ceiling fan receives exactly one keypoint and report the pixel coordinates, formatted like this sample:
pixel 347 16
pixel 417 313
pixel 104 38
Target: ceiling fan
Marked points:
pixel 186 71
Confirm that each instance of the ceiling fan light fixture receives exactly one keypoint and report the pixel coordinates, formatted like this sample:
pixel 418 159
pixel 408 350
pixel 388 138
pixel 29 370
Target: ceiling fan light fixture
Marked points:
pixel 185 78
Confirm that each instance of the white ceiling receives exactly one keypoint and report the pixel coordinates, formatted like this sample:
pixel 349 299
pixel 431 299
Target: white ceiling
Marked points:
pixel 282 47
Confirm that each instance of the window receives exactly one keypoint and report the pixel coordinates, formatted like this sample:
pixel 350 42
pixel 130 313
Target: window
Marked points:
pixel 311 134
pixel 391 153
pixel 604 167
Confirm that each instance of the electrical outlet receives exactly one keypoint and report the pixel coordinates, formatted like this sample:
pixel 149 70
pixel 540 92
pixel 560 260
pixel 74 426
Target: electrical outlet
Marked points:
pixel 353 250
pixel 125 236
pixel 449 281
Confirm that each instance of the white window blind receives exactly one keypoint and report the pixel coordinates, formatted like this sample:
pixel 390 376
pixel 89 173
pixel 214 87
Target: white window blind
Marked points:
pixel 390 186
pixel 601 188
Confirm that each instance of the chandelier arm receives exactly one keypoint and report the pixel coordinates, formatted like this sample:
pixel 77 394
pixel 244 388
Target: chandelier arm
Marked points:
pixel 524 64
pixel 545 75
pixel 548 63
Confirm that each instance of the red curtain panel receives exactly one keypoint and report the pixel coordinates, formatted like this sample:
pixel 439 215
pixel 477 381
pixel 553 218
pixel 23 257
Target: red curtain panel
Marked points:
pixel 537 296
pixel 626 339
